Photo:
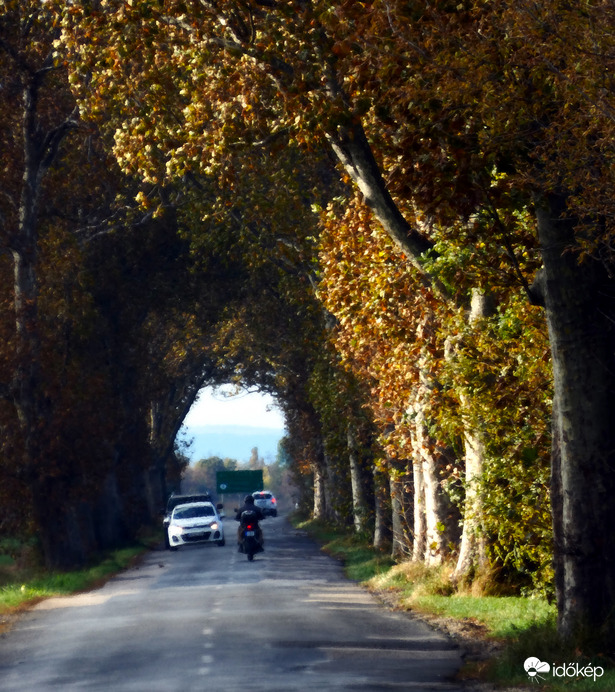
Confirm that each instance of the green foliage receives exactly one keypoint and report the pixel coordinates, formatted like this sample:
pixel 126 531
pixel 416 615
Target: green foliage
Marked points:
pixel 278 479
pixel 201 476
pixel 504 365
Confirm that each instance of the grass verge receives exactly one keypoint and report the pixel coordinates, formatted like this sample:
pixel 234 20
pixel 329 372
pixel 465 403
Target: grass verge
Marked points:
pixel 360 561
pixel 511 629
pixel 24 586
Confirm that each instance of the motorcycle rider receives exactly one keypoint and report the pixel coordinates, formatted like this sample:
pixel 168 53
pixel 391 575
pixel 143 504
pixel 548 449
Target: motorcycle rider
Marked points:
pixel 256 516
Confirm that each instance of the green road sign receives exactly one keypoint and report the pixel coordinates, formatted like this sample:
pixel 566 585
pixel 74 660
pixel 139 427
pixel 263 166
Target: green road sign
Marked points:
pixel 239 481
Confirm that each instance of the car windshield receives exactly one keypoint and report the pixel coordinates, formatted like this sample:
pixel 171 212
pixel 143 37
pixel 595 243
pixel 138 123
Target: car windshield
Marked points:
pixel 193 512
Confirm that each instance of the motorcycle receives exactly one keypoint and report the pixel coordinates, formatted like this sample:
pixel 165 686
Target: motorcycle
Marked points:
pixel 249 543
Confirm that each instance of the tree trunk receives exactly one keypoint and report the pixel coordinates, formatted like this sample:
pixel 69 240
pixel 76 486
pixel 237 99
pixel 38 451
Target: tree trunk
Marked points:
pixel 40 149
pixel 359 502
pixel 579 300
pixel 320 502
pixel 473 549
pixel 432 508
pixel 401 508
pixel 440 518
pixel 352 149
pixel 382 501
pixel 57 532
pixel 109 523
pixel 166 417
pixel 419 528
pixel 332 488
pixel 26 380
pixel 433 513
pixel 25 250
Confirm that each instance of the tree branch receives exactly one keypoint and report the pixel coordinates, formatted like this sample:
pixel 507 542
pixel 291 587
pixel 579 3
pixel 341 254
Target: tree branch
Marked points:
pixel 51 143
pixel 355 154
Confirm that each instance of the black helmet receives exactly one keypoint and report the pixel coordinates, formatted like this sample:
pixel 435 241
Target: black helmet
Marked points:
pixel 249 500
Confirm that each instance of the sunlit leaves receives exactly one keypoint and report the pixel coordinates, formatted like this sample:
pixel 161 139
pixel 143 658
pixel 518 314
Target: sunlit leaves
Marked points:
pixel 378 305
pixel 503 367
pixel 473 110
pixel 385 333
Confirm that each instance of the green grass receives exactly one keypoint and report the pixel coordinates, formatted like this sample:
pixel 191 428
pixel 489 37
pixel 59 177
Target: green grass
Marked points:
pixel 27 585
pixel 430 590
pixel 504 617
pixel 541 640
pixel 523 627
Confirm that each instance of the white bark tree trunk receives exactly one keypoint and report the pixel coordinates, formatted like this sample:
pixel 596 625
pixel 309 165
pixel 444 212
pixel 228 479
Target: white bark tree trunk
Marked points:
pixel 320 504
pixel 473 548
pixel 432 508
pixel 419 539
pixel 359 501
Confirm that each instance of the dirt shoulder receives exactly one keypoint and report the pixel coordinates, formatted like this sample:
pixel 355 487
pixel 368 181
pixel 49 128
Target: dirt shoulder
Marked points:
pixel 473 639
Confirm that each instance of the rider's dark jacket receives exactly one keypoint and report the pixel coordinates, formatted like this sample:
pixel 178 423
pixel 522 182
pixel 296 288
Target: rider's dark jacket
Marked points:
pixel 257 515
pixel 250 508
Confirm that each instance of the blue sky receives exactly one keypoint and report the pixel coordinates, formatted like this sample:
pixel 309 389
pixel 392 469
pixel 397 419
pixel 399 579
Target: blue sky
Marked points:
pixel 232 442
pixel 229 426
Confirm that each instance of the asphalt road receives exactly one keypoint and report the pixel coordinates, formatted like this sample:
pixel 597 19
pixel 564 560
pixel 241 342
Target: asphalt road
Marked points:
pixel 205 619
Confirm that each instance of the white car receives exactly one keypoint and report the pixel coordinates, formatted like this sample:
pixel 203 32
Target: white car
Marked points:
pixel 266 501
pixel 195 522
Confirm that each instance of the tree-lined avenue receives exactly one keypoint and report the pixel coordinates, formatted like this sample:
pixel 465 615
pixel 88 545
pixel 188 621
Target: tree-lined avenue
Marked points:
pixel 206 618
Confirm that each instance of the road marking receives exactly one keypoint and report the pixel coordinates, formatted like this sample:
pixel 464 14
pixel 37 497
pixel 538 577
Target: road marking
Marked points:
pixel 206 658
pixel 208 631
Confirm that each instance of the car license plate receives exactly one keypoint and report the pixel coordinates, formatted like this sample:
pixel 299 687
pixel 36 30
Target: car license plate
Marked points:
pixel 249 533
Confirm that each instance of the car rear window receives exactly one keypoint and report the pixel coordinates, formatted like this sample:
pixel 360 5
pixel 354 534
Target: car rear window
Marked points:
pixel 262 496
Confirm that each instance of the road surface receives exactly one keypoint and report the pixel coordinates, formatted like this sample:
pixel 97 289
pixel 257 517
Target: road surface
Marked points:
pixel 205 619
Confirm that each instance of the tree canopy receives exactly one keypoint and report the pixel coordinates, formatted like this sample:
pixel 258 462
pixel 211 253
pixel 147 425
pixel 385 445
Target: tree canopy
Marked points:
pixel 395 217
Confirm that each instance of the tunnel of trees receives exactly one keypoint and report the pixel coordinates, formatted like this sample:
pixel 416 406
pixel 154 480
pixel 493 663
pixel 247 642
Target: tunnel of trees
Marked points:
pixel 394 217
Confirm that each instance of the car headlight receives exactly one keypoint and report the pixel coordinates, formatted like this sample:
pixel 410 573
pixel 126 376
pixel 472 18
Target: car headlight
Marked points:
pixel 176 530
pixel 214 525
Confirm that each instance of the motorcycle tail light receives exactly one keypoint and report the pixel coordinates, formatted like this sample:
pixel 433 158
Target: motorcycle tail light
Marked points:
pixel 249 527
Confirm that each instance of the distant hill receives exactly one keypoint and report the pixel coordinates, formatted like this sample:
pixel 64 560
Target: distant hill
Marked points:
pixel 232 441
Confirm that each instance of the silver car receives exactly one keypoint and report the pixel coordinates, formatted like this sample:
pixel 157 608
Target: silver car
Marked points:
pixel 267 502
